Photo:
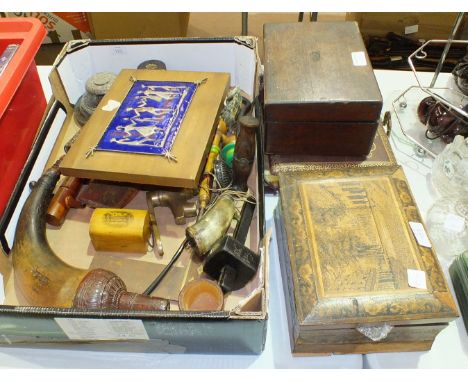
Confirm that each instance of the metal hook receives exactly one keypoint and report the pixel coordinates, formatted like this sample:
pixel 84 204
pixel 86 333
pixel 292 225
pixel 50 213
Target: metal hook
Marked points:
pixel 421 55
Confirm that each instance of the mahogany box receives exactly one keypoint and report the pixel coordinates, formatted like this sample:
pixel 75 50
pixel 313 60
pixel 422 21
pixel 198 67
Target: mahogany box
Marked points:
pixel 358 276
pixel 321 96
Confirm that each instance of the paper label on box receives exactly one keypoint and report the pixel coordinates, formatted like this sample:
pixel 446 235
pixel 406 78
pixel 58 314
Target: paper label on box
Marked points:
pixel 359 58
pixel 420 234
pixel 2 292
pixel 89 329
pixel 119 51
pixel 111 105
pixel 411 29
pixel 417 278
pixel 454 223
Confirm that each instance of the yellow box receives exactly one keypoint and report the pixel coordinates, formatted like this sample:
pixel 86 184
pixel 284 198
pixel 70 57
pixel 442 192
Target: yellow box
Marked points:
pixel 119 230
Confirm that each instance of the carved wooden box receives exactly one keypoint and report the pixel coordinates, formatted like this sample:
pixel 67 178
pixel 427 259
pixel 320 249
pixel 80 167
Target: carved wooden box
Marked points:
pixel 321 95
pixel 345 247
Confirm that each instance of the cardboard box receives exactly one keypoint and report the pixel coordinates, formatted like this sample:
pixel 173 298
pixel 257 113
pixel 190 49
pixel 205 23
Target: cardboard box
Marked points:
pixel 241 327
pixel 61 26
pixel 421 25
pixel 109 25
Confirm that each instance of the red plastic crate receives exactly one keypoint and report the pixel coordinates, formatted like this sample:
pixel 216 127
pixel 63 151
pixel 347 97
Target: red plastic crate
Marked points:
pixel 22 100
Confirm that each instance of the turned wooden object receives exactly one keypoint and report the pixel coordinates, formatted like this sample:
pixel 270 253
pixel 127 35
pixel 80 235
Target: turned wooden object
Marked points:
pixel 201 295
pixel 244 152
pixel 204 194
pixel 104 289
pixel 63 200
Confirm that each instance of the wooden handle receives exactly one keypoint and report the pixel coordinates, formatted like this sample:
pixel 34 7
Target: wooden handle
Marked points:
pixel 63 200
pixel 244 152
pixel 205 185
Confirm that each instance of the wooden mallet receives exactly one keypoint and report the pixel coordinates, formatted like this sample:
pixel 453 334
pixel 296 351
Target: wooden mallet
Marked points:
pixel 230 261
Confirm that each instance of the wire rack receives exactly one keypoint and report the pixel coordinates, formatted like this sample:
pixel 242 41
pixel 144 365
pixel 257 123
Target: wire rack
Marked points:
pixel 406 104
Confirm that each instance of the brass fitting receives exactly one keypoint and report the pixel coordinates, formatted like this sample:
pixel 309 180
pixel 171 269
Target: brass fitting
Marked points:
pixel 177 203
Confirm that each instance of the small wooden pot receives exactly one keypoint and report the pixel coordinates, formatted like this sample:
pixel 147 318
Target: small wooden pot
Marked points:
pixel 201 295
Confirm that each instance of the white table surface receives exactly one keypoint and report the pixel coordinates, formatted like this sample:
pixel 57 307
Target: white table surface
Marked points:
pixel 449 350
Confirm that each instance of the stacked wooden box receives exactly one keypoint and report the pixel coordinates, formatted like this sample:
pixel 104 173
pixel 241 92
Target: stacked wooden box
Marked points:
pixel 356 278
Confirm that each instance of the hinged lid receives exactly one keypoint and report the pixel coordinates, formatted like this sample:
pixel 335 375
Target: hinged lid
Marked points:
pixel 350 248
pixel 318 72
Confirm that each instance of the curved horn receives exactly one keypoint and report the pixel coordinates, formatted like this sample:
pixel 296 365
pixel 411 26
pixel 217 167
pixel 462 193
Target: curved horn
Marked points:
pixel 212 226
pixel 44 279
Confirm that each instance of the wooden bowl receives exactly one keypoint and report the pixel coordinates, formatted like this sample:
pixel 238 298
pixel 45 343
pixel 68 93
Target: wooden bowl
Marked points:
pixel 201 295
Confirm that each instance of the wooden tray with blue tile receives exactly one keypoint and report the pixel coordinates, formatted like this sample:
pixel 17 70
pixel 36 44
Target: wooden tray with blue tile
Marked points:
pixel 153 127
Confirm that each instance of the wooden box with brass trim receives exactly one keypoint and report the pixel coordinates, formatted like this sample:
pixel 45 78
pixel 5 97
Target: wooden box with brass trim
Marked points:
pixel 345 247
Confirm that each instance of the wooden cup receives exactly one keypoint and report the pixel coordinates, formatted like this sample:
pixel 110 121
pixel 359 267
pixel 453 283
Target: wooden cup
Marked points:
pixel 201 295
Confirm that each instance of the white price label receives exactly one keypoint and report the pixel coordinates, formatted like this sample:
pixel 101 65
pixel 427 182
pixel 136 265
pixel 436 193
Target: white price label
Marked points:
pixel 359 58
pixel 111 105
pixel 420 234
pixel 454 223
pixel 89 329
pixel 411 29
pixel 417 279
